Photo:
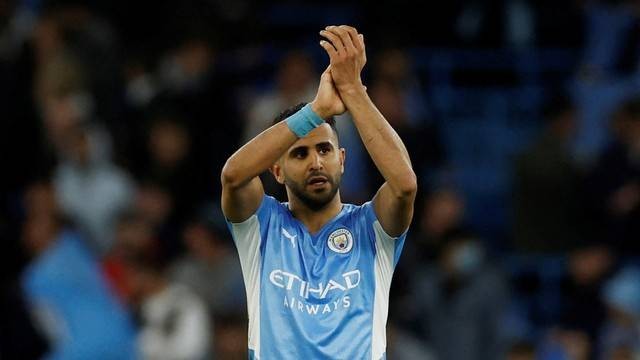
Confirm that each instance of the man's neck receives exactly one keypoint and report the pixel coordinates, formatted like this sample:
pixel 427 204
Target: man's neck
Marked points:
pixel 315 219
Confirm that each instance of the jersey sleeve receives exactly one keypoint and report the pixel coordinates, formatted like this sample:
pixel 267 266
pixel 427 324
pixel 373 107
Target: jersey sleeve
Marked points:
pixel 267 204
pixel 387 253
pixel 249 237
pixel 249 234
pixel 391 246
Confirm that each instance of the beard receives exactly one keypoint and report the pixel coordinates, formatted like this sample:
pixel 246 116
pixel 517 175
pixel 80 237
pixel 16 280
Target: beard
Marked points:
pixel 314 199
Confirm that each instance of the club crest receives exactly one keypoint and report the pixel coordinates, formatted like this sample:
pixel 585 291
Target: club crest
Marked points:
pixel 340 241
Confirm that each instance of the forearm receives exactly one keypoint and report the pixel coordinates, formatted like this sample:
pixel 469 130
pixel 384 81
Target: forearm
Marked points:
pixel 257 156
pixel 381 141
pixel 264 150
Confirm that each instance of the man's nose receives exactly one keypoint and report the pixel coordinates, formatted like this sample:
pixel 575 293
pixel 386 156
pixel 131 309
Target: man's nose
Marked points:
pixel 316 161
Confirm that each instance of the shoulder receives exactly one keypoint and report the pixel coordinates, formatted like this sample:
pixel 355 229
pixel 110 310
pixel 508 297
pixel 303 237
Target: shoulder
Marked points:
pixel 271 204
pixel 362 212
pixel 269 207
pixel 361 217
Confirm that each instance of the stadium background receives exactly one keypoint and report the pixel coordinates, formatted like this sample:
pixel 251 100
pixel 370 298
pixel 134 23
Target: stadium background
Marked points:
pixel 522 119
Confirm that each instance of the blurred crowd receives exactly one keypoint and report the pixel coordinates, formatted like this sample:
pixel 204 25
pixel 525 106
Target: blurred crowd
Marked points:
pixel 117 119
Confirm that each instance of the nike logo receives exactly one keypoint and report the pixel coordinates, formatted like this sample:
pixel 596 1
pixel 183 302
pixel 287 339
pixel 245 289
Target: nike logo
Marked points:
pixel 291 238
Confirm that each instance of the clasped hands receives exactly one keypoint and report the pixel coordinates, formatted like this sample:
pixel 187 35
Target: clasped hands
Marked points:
pixel 347 57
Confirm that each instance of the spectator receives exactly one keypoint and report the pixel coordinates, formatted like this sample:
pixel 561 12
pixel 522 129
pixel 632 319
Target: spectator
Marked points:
pixel 211 268
pixel 169 157
pixel 231 340
pixel 403 345
pixel 92 191
pixel 133 235
pixel 68 297
pixel 461 301
pixel 607 74
pixel 547 187
pixel 394 67
pixel 155 205
pixel 615 182
pixel 621 333
pixel 294 84
pixel 583 309
pixel 421 139
pixel 174 322
pixel 442 211
pixel 200 95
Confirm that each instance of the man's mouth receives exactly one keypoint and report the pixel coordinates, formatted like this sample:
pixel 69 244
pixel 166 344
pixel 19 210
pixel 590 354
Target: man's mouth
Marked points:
pixel 317 181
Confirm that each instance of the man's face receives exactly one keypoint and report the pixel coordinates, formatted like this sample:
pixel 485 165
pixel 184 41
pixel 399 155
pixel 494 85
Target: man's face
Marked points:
pixel 311 168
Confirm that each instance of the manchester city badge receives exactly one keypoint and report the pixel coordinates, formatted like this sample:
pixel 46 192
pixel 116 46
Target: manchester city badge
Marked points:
pixel 340 241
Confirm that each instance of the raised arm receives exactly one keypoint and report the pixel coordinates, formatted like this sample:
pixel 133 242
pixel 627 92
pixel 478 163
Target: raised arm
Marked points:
pixel 394 201
pixel 242 190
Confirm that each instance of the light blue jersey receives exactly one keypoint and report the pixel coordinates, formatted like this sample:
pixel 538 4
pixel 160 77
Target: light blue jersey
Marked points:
pixel 322 296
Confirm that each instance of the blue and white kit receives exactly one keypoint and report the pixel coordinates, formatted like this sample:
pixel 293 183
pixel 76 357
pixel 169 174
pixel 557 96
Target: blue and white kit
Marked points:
pixel 320 296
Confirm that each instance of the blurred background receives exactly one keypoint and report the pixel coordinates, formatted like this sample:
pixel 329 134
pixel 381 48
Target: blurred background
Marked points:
pixel 522 119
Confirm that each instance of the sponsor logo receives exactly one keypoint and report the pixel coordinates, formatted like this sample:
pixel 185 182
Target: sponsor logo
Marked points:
pixel 340 241
pixel 317 309
pixel 295 283
pixel 299 291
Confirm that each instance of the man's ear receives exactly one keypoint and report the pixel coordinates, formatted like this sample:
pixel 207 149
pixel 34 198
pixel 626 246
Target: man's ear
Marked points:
pixel 343 157
pixel 276 170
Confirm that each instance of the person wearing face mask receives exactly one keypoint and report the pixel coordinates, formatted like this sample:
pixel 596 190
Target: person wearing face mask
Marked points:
pixel 460 301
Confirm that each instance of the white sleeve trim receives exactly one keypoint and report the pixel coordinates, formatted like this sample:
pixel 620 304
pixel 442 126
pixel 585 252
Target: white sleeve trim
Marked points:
pixel 247 238
pixel 385 249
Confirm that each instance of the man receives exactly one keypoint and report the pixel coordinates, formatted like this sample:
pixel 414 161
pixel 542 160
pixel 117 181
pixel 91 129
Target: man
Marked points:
pixel 67 295
pixel 317 271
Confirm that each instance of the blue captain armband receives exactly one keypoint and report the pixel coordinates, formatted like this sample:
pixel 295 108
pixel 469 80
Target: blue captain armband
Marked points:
pixel 302 122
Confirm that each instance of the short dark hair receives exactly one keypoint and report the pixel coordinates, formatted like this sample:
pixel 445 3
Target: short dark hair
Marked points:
pixel 294 109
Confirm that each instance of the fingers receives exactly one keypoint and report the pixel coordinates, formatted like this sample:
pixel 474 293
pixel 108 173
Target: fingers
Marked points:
pixel 343 34
pixel 335 41
pixel 345 48
pixel 329 48
pixel 353 37
pixel 361 42
pixel 344 39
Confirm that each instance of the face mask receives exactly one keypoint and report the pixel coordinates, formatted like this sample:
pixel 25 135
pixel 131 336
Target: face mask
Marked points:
pixel 468 258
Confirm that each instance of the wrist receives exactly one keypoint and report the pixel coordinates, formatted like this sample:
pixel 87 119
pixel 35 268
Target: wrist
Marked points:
pixel 304 121
pixel 352 90
pixel 319 110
